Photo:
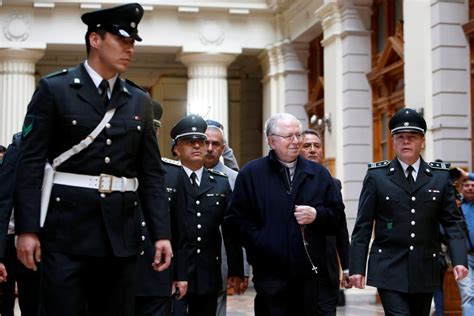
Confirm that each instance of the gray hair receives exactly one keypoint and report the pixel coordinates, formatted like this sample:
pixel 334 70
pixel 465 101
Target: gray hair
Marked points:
pixel 270 124
pixel 215 128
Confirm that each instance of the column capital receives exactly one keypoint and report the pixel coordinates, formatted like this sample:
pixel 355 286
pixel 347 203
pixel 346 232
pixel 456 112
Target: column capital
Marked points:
pixel 281 58
pixel 341 18
pixel 23 54
pixel 192 59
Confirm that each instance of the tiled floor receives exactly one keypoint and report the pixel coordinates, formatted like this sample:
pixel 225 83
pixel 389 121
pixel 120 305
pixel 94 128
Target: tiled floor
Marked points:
pixel 359 302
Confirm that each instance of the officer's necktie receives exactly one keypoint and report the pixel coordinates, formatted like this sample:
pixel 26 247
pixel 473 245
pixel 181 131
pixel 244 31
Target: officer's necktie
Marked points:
pixel 193 177
pixel 410 179
pixel 104 87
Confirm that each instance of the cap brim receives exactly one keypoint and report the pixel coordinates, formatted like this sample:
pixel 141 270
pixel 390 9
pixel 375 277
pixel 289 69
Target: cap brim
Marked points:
pixel 192 136
pixel 408 129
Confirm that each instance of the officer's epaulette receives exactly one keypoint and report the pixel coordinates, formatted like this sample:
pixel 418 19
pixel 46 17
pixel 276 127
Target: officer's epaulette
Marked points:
pixel 57 73
pixel 379 164
pixel 439 165
pixel 219 173
pixel 135 85
pixel 171 162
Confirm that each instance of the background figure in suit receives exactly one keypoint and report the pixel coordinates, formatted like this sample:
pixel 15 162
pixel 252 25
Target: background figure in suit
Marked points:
pixel 3 149
pixel 214 149
pixel 92 235
pixel 406 198
pixel 155 289
pixel 337 246
pixel 204 205
pixel 282 207
pixel 27 280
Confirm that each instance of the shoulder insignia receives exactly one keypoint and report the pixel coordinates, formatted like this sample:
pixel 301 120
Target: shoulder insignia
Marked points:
pixel 27 125
pixel 219 173
pixel 379 164
pixel 134 85
pixel 171 162
pixel 57 73
pixel 439 165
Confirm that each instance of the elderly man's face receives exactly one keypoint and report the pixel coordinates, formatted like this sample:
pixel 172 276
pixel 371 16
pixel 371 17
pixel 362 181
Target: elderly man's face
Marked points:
pixel 312 148
pixel 214 147
pixel 286 139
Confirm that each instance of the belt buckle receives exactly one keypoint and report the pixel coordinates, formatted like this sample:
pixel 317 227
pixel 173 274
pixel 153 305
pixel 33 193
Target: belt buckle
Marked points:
pixel 105 189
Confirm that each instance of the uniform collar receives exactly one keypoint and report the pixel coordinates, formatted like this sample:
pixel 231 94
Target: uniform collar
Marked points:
pixel 97 79
pixel 197 172
pixel 416 167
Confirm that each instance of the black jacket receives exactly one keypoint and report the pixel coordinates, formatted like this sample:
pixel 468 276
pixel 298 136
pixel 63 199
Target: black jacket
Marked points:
pixel 65 108
pixel 403 256
pixel 262 212
pixel 7 185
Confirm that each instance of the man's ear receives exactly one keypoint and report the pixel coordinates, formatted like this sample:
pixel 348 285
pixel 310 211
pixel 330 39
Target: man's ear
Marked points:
pixel 94 39
pixel 270 142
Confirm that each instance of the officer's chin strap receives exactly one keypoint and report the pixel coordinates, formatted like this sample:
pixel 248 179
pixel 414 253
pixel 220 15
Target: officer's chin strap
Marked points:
pixel 305 245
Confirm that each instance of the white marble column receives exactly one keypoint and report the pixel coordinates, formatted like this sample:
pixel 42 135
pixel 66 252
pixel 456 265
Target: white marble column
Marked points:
pixel 207 85
pixel 17 84
pixel 285 81
pixel 347 94
pixel 437 75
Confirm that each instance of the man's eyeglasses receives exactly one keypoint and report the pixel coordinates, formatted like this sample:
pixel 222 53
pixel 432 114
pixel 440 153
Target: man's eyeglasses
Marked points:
pixel 290 137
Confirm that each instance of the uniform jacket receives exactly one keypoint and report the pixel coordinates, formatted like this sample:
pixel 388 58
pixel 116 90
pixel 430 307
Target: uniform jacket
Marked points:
pixel 7 185
pixel 404 253
pixel 337 247
pixel 205 212
pixel 64 109
pixel 151 282
pixel 262 212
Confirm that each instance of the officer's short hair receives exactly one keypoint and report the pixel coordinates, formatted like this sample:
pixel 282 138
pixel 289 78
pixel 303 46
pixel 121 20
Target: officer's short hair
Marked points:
pixel 3 149
pixel 101 33
pixel 270 124
pixel 311 132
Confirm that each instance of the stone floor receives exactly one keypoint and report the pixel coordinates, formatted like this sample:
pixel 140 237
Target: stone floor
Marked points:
pixel 358 302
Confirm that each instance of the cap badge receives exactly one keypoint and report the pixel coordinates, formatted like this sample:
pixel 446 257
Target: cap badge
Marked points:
pixel 406 112
pixel 98 25
pixel 406 124
pixel 77 80
pixel 194 129
pixel 133 24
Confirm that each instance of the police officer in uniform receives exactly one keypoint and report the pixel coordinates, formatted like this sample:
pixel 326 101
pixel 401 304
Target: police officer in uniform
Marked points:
pixel 92 235
pixel 407 198
pixel 157 290
pixel 204 204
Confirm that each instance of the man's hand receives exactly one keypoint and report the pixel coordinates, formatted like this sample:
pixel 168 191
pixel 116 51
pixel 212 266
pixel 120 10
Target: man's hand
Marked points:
pixel 346 281
pixel 163 255
pixel 182 287
pixel 28 250
pixel 3 273
pixel 244 285
pixel 235 283
pixel 358 280
pixel 460 272
pixel 305 214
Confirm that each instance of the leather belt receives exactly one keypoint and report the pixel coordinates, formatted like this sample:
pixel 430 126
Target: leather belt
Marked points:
pixel 104 183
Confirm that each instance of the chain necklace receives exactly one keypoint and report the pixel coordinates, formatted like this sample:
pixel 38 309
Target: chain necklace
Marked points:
pixel 305 244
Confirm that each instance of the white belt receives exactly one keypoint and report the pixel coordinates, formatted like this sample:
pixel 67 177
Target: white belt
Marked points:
pixel 104 183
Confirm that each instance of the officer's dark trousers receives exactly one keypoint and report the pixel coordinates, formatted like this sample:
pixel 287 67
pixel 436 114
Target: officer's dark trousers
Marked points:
pixel 27 281
pixel 196 305
pixel 152 306
pixel 304 296
pixel 71 283
pixel 405 304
